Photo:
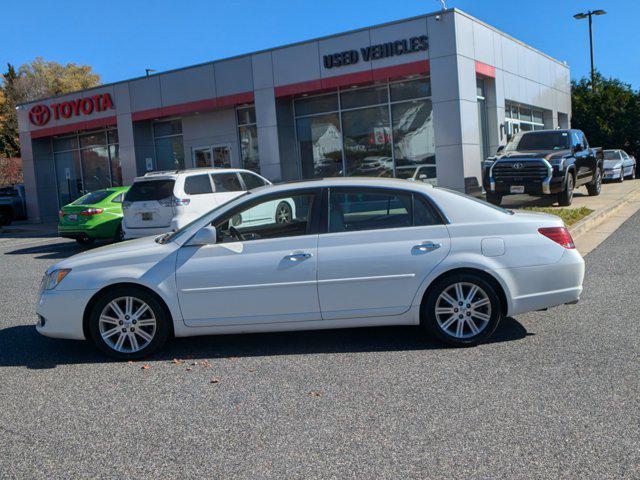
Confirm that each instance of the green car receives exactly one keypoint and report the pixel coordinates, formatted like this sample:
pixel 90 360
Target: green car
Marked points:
pixel 97 215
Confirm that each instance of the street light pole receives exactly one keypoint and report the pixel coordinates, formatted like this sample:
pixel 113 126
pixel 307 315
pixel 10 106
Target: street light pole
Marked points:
pixel 589 14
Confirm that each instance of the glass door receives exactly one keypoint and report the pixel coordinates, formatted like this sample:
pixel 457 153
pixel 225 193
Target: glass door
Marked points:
pixel 218 156
pixel 202 157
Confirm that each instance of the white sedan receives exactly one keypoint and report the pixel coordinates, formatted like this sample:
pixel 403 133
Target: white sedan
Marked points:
pixel 357 252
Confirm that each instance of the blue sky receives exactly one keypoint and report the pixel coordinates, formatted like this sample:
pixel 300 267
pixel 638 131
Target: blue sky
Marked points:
pixel 120 38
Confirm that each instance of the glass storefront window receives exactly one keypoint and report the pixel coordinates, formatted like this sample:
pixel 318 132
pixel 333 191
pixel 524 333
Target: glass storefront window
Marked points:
pixel 249 154
pixel 522 119
pixel 93 138
pixel 68 176
pixel 413 139
pixel 410 89
pixel 112 136
pixel 116 166
pixel 65 143
pixel 367 142
pixel 360 125
pixel 167 127
pixel 317 104
pixel 248 137
pixel 169 153
pixel 320 143
pixel 95 168
pixel 362 97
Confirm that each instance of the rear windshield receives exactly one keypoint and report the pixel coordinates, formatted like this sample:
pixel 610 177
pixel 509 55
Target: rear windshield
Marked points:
pixel 93 197
pixel 149 190
pixel 540 141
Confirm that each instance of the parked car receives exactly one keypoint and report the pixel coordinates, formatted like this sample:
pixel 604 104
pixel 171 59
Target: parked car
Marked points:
pixel 12 204
pixel 618 165
pixel 165 201
pixel 357 252
pixel 544 162
pixel 96 215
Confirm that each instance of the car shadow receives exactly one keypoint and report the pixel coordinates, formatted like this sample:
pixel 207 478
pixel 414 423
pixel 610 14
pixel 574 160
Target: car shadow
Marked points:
pixel 54 250
pixel 23 346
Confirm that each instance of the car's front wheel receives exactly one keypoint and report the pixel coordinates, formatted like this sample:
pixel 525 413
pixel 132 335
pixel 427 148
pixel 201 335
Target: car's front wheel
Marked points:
pixel 462 310
pixel 566 196
pixel 129 323
pixel 632 175
pixel 494 198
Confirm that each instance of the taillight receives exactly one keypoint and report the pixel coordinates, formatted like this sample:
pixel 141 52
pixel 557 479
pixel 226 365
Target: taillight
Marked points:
pixel 560 235
pixel 91 211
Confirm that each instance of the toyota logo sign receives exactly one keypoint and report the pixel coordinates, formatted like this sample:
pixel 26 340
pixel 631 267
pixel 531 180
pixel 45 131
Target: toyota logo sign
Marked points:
pixel 518 165
pixel 39 114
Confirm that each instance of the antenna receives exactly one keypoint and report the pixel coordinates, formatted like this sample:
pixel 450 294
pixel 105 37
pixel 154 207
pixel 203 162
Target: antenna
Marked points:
pixel 444 4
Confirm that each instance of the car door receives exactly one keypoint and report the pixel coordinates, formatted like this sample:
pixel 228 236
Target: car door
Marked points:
pixel 627 163
pixel 254 274
pixel 199 191
pixel 379 246
pixel 585 159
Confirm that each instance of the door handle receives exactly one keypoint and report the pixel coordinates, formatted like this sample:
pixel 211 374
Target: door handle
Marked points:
pixel 428 246
pixel 298 256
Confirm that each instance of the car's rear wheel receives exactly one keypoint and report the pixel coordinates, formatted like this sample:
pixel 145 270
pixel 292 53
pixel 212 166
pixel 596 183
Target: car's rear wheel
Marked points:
pixel 129 323
pixel 595 187
pixel 632 175
pixel 566 196
pixel 119 235
pixel 283 213
pixel 494 198
pixel 462 310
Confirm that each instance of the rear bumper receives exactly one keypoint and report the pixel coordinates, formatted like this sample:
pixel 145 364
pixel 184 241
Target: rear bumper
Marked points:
pixel 62 312
pixel 544 286
pixel 103 230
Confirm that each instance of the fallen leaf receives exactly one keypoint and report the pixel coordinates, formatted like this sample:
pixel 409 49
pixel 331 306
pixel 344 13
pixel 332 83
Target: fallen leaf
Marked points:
pixel 177 361
pixel 145 367
pixel 315 393
pixel 214 380
pixel 189 369
pixel 237 408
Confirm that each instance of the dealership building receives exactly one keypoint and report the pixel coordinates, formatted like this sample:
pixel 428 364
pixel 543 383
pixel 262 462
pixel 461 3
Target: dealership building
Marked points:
pixel 426 98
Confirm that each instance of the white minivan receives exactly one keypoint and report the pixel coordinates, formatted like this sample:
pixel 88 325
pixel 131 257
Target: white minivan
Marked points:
pixel 160 202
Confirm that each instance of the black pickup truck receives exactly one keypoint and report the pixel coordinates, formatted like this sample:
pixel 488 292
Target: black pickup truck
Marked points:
pixel 544 162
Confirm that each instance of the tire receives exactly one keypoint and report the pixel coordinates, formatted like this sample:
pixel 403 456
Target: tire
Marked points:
pixel 119 235
pixel 460 332
pixel 632 175
pixel 594 188
pixel 284 214
pixel 148 337
pixel 566 196
pixel 494 198
pixel 85 241
pixel 621 179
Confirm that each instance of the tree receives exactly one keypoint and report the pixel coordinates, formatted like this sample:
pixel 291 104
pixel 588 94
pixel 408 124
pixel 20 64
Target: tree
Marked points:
pixel 610 115
pixel 31 81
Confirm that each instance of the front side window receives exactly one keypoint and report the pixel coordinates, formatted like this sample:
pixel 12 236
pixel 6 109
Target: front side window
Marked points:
pixel 226 182
pixel 353 210
pixel 197 185
pixel 282 216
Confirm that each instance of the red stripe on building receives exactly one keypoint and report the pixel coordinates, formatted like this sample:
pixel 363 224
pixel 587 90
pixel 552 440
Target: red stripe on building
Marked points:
pixel 485 70
pixel 377 74
pixel 72 127
pixel 197 106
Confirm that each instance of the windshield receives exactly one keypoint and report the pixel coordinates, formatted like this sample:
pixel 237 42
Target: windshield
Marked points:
pixel 93 197
pixel 170 236
pixel 535 141
pixel 611 155
pixel 147 190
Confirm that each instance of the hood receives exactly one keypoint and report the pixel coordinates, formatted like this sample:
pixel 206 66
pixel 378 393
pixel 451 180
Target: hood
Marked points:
pixel 543 154
pixel 611 164
pixel 123 252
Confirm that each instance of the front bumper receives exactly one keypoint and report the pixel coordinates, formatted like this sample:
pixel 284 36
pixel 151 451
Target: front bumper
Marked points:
pixel 63 312
pixel 612 174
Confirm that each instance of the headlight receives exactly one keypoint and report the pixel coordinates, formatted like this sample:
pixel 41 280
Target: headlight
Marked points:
pixel 51 280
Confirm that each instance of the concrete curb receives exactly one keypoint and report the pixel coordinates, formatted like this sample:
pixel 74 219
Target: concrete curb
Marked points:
pixel 596 218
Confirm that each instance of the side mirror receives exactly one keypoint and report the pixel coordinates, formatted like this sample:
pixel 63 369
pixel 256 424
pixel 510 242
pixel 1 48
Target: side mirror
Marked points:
pixel 204 236
pixel 500 149
pixel 577 147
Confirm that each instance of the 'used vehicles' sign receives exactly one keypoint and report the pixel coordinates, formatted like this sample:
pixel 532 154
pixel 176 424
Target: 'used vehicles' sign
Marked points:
pixel 376 52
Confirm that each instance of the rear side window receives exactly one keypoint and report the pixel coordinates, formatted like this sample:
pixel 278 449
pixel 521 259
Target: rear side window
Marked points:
pixel 197 185
pixel 227 182
pixel 423 213
pixel 150 190
pixel 117 198
pixel 251 180
pixel 354 210
pixel 93 197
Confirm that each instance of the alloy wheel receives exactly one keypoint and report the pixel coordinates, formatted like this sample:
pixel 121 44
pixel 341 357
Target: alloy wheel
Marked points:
pixel 463 310
pixel 127 324
pixel 283 213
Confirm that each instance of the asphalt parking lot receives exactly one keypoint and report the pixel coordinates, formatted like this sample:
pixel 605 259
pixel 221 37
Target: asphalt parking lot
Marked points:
pixel 555 394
